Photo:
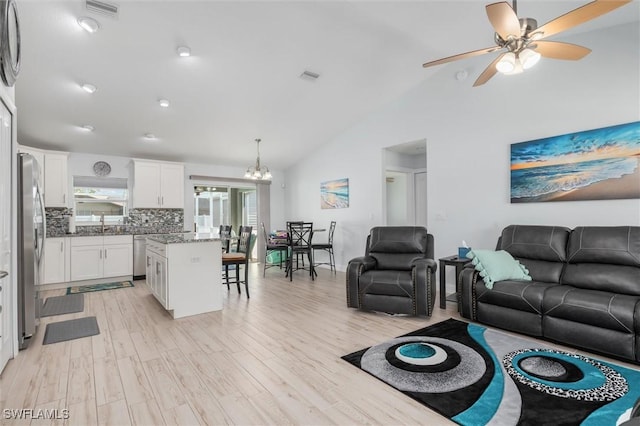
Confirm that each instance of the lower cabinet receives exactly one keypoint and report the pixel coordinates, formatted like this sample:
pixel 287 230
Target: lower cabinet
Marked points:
pixel 185 278
pixel 56 265
pixel 101 257
pixel 157 277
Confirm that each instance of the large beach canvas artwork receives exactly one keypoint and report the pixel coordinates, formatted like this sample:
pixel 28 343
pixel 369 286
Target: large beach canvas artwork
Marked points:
pixel 599 164
pixel 334 194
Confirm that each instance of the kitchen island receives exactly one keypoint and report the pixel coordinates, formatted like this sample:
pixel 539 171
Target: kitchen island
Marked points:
pixel 184 272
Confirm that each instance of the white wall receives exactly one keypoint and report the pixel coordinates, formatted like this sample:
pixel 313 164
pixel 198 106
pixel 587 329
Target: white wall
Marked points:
pixel 469 132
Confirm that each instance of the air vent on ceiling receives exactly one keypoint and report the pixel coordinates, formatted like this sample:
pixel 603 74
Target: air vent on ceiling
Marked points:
pixel 309 75
pixel 102 8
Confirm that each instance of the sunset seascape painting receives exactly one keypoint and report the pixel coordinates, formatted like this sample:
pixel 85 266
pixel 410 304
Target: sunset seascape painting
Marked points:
pixel 599 164
pixel 334 194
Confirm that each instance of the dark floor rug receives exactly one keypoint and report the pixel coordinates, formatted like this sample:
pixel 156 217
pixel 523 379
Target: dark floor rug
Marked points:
pixel 60 305
pixel 70 330
pixel 477 376
pixel 99 287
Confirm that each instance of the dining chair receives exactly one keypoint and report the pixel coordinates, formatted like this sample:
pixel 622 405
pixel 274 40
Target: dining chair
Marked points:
pixel 272 248
pixel 239 258
pixel 299 240
pixel 225 235
pixel 328 247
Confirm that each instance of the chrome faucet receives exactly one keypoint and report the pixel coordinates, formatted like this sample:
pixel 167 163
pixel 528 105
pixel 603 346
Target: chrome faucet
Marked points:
pixel 102 222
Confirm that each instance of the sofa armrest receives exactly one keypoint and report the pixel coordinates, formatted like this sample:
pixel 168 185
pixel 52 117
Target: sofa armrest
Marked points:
pixel 355 268
pixel 423 272
pixel 425 263
pixel 468 279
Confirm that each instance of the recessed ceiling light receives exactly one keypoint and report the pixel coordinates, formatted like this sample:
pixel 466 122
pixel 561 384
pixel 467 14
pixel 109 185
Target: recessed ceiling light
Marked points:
pixel 90 25
pixel 88 127
pixel 89 88
pixel 184 51
pixel 150 137
pixel 164 103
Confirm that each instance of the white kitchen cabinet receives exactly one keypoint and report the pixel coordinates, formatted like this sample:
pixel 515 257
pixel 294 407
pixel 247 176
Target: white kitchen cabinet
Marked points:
pixel 157 277
pixel 101 257
pixel 185 277
pixel 56 260
pixel 56 181
pixel 158 185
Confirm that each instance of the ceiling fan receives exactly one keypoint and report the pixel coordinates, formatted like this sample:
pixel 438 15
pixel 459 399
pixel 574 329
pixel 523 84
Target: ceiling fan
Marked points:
pixel 521 40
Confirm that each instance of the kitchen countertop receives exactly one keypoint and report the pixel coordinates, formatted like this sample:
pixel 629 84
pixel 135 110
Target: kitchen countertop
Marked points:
pixel 190 237
pixel 116 231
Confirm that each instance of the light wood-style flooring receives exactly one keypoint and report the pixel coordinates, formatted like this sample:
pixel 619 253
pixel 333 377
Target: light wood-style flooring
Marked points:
pixel 272 359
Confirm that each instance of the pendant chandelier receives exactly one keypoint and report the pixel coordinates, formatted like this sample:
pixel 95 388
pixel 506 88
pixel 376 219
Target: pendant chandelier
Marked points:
pixel 258 172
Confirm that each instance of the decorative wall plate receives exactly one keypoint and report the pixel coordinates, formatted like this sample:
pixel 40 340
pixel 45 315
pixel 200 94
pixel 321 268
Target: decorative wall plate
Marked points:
pixel 101 168
pixel 10 50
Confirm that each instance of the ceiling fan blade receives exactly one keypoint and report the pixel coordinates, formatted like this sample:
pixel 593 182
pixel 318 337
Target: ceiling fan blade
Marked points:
pixel 559 50
pixel 488 72
pixel 461 56
pixel 576 17
pixel 504 19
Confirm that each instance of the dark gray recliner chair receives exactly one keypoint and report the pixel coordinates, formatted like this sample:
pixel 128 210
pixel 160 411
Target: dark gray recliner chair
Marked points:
pixel 396 274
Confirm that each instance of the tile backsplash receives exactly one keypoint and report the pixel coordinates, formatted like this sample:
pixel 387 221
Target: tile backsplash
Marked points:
pixel 145 221
pixel 57 221
pixel 140 221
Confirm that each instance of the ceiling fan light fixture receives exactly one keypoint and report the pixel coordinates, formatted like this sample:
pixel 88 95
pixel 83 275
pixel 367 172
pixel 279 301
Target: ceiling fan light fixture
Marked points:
pixel 507 64
pixel 90 25
pixel 528 58
pixel 517 69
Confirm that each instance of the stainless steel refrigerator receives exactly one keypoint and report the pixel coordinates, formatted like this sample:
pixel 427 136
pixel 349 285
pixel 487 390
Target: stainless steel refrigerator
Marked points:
pixel 31 234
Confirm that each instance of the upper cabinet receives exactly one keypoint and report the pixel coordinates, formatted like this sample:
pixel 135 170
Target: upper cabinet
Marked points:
pixel 158 185
pixel 54 177
pixel 56 189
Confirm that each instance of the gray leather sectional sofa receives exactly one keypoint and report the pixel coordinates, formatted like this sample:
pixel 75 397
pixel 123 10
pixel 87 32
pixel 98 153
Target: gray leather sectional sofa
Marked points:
pixel 585 290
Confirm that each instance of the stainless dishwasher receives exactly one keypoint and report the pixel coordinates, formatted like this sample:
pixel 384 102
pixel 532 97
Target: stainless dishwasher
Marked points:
pixel 139 256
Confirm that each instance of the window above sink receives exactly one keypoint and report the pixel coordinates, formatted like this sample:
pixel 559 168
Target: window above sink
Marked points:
pixel 100 201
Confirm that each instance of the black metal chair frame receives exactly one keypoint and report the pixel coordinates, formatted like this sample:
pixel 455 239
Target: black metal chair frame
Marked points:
pixel 328 247
pixel 272 248
pixel 239 258
pixel 299 239
pixel 225 236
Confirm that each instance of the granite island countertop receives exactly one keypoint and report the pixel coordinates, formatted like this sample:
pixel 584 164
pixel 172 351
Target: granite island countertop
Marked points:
pixel 191 237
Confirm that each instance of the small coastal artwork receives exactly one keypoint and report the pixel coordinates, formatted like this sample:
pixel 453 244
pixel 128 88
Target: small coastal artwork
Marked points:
pixel 334 194
pixel 598 164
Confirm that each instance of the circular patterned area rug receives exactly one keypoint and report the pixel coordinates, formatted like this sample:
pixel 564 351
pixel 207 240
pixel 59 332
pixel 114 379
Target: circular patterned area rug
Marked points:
pixel 475 376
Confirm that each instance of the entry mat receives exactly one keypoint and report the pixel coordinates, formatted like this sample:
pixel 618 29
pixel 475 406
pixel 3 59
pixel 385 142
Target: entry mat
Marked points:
pixel 477 376
pixel 60 305
pixel 99 287
pixel 70 330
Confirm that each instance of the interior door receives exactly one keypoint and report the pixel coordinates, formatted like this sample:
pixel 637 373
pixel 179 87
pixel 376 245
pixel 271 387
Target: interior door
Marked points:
pixel 6 325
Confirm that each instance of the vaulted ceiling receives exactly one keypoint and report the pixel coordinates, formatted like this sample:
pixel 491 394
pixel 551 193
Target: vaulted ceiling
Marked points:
pixel 243 79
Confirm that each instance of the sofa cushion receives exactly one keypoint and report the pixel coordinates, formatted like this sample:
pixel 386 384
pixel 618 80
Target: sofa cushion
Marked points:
pixel 617 245
pixel 598 308
pixel 604 258
pixel 519 295
pixel 536 242
pixel 391 283
pixel 496 266
pixel 398 239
